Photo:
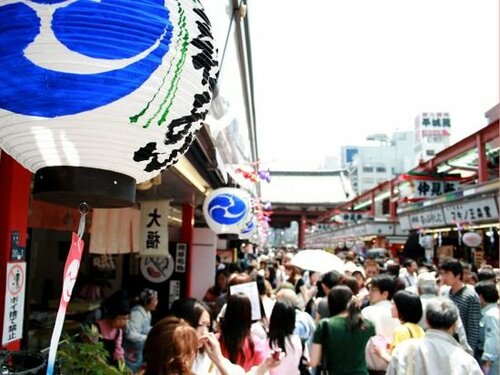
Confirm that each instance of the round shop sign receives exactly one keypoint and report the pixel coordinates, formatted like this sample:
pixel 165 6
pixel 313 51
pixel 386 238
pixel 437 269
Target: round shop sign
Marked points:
pixel 156 269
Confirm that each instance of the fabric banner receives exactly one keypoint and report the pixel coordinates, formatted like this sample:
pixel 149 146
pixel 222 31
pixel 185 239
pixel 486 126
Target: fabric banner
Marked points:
pixel 70 274
pixel 154 228
pixel 115 231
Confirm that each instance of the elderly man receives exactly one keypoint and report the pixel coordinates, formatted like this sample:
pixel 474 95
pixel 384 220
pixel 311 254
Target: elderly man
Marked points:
pixel 427 290
pixel 438 352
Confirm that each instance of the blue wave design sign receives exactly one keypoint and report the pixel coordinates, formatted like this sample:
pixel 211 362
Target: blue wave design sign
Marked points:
pixel 226 210
pixel 80 28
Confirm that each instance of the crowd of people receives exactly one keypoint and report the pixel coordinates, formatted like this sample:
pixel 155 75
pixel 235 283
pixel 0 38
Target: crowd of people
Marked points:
pixel 371 317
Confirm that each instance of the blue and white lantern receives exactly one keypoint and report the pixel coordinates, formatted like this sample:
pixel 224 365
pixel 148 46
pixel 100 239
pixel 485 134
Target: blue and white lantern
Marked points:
pixel 227 210
pixel 249 229
pixel 108 85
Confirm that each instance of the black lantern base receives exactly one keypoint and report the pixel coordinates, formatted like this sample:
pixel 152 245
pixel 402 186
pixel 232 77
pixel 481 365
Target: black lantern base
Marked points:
pixel 70 186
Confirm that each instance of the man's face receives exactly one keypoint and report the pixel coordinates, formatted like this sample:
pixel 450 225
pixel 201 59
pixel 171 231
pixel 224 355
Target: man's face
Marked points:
pixel 413 268
pixel 447 277
pixel 375 295
pixel 371 271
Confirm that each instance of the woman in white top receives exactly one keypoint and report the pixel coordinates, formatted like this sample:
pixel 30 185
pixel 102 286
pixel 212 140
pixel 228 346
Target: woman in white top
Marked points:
pixel 282 338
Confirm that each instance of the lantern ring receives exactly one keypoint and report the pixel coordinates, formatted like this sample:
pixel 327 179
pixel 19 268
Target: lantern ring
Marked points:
pixel 83 208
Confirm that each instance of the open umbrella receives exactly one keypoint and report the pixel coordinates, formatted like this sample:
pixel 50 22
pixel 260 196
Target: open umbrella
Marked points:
pixel 318 260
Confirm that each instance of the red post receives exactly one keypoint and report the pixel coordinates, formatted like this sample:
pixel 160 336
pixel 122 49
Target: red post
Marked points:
pixel 302 231
pixel 392 201
pixel 372 204
pixel 187 238
pixel 14 205
pixel 481 153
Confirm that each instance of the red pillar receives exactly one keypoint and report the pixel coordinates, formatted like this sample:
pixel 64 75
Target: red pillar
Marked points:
pixel 392 201
pixel 302 231
pixel 372 204
pixel 482 165
pixel 15 184
pixel 187 238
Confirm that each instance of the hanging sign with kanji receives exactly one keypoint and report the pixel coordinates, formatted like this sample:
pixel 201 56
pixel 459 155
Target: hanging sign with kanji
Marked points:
pixel 14 302
pixel 154 228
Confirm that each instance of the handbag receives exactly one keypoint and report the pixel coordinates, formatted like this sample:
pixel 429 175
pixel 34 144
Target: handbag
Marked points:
pixel 373 361
pixel 321 369
pixel 303 363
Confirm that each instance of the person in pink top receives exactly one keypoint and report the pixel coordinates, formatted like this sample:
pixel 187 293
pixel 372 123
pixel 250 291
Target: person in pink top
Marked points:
pixel 115 312
pixel 282 338
pixel 237 343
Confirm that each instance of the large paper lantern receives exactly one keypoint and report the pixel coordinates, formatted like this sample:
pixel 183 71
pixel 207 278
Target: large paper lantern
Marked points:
pixel 472 239
pixel 227 210
pixel 96 96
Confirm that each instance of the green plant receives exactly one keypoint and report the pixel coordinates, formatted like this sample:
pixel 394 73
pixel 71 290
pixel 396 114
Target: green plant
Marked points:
pixel 86 355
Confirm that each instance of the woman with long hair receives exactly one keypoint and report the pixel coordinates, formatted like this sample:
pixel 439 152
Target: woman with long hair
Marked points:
pixel 170 348
pixel 218 289
pixel 282 338
pixel 236 341
pixel 343 336
pixel 209 359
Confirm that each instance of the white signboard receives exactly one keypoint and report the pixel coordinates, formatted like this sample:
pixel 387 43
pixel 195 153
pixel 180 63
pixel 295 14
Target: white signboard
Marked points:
pixel 434 188
pixel 154 228
pixel 471 211
pixel 427 219
pixel 251 291
pixel 14 302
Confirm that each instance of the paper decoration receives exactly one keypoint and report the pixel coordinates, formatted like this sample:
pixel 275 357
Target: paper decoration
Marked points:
pixel 113 85
pixel 226 210
pixel 472 239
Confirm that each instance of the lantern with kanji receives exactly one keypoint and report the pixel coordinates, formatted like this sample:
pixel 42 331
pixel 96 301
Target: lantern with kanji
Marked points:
pixel 96 96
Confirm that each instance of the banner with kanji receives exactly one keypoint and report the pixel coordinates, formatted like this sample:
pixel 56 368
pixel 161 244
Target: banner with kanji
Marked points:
pixel 154 228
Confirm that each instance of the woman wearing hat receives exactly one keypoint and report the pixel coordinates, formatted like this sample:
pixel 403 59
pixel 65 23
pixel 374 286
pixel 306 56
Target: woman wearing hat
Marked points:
pixel 138 328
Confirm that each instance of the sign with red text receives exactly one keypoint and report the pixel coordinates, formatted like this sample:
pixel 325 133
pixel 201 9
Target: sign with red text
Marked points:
pixel 14 302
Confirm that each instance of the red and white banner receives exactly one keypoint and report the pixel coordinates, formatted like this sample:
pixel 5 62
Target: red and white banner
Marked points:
pixel 70 274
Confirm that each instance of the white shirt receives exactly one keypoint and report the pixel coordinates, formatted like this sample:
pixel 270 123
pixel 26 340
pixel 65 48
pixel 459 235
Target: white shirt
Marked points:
pixel 436 353
pixel 380 315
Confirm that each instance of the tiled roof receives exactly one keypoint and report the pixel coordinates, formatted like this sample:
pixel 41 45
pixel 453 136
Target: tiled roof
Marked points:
pixel 321 187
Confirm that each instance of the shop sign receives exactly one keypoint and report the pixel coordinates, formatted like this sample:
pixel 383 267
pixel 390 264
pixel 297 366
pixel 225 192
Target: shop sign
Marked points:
pixel 471 211
pixel 154 228
pixel 14 302
pixel 434 188
pixel 426 219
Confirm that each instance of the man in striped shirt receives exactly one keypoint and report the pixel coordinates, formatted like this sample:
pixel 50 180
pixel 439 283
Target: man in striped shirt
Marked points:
pixel 466 299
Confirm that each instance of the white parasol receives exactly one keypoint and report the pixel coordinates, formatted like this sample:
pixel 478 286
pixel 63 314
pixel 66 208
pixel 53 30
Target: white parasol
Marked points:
pixel 318 260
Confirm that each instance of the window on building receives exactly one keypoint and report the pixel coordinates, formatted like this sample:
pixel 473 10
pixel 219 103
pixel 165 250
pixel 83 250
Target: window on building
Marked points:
pixel 367 169
pixel 380 169
pixel 430 152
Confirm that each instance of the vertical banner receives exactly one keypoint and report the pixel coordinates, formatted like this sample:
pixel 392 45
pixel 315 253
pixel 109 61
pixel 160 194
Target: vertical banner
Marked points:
pixel 14 302
pixel 70 274
pixel 154 228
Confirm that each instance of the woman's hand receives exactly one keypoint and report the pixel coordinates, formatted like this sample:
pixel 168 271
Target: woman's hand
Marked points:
pixel 382 353
pixel 212 346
